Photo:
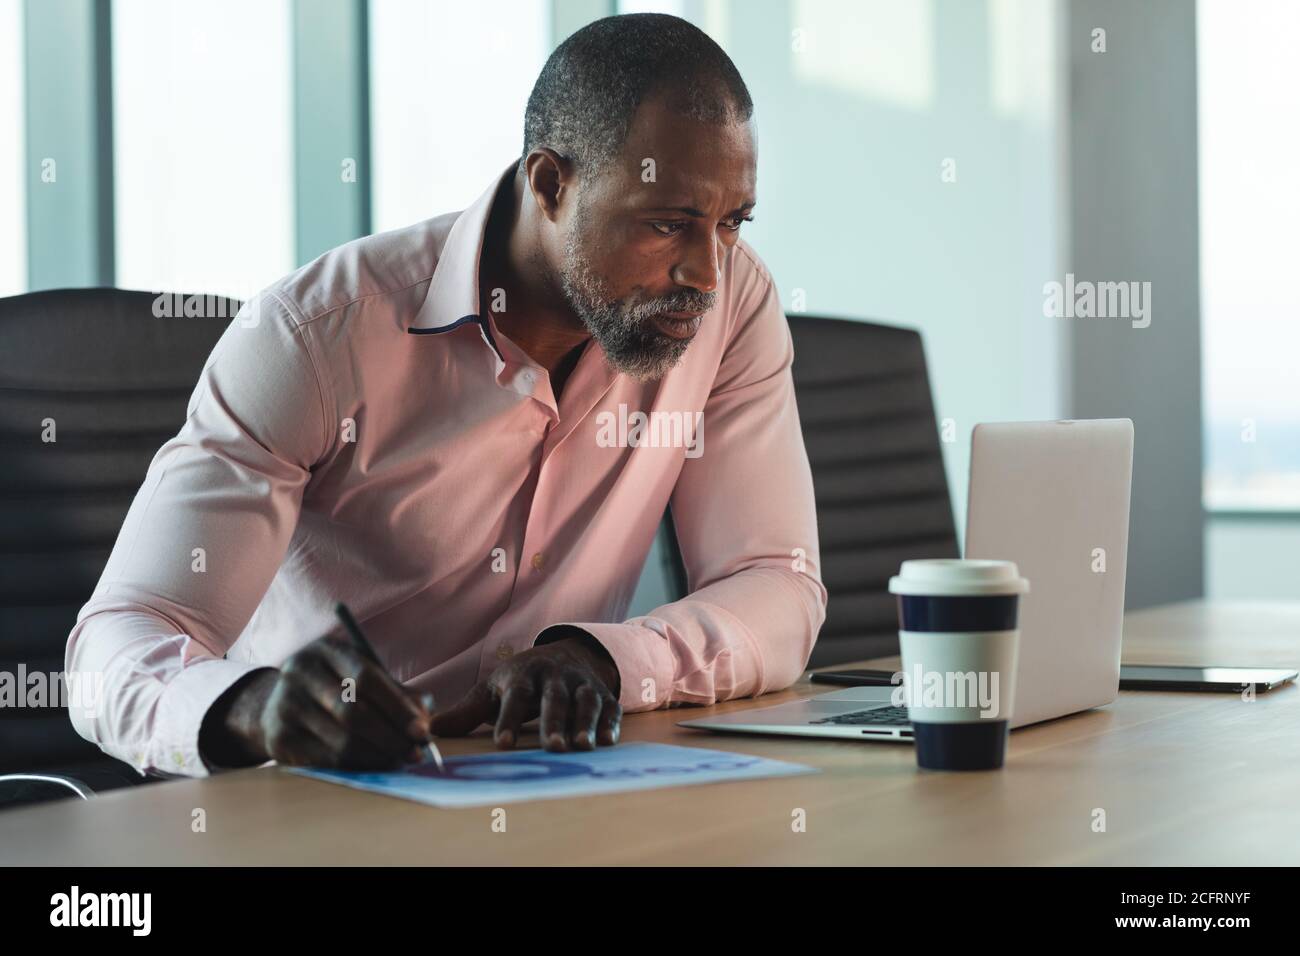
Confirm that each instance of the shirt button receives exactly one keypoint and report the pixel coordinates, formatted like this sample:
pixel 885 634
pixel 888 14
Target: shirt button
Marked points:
pixel 504 652
pixel 538 561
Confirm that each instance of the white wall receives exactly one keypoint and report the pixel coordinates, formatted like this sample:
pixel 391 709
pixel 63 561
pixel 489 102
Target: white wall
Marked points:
pixel 857 112
pixel 854 128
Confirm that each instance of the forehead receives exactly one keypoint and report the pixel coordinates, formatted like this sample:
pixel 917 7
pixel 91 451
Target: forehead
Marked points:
pixel 708 165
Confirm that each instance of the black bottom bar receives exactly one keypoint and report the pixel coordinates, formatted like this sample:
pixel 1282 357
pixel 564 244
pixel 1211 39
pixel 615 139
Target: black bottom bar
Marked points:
pixel 979 745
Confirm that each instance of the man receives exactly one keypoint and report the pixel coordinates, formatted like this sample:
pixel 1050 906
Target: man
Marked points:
pixel 444 427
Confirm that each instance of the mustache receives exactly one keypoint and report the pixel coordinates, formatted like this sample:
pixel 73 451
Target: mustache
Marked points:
pixel 686 300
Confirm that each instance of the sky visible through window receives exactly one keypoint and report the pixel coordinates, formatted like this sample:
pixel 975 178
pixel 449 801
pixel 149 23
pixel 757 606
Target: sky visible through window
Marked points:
pixel 1249 101
pixel 13 223
pixel 203 144
pixel 447 111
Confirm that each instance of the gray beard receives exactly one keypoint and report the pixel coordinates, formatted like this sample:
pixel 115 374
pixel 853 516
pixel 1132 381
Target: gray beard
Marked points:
pixel 622 327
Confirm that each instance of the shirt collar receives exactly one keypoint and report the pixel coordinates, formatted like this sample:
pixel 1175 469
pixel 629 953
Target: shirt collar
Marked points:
pixel 452 299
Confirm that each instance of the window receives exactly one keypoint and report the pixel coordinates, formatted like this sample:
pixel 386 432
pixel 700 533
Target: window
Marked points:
pixel 203 152
pixel 449 82
pixel 13 224
pixel 1249 97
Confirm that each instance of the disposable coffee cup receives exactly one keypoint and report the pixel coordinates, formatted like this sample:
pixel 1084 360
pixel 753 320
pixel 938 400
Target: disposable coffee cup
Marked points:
pixel 959 637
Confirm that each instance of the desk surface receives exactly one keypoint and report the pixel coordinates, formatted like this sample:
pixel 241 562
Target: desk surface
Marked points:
pixel 1184 778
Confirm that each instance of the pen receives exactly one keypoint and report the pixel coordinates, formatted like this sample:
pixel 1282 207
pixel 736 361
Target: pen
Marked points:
pixel 354 631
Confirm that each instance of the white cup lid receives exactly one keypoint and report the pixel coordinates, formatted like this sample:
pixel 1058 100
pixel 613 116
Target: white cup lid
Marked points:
pixel 957 577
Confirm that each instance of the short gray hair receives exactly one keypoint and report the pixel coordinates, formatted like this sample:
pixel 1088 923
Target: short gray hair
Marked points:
pixel 584 99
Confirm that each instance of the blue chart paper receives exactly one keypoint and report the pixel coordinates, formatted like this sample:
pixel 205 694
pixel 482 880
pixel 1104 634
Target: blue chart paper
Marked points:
pixel 516 776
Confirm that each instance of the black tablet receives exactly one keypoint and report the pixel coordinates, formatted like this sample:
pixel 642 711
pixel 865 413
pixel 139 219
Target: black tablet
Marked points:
pixel 1231 679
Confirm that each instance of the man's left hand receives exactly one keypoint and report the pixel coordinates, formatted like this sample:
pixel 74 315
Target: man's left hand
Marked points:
pixel 569 683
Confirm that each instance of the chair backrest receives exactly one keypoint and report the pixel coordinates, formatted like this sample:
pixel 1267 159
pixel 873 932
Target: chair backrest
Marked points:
pixel 882 494
pixel 92 383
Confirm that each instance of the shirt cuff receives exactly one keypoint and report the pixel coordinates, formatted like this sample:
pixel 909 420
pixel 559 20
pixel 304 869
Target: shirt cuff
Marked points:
pixel 645 665
pixel 181 709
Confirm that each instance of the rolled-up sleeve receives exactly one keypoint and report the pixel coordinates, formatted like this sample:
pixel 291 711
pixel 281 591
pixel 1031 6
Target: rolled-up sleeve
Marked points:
pixel 746 525
pixel 200 545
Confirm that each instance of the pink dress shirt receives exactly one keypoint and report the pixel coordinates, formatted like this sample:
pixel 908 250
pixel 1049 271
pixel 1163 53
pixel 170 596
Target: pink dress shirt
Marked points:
pixel 361 434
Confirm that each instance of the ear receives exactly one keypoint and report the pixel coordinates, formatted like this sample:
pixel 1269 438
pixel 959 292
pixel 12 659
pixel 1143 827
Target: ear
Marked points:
pixel 551 178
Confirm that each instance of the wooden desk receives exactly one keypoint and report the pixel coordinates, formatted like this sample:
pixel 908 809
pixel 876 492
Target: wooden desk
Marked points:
pixel 1183 778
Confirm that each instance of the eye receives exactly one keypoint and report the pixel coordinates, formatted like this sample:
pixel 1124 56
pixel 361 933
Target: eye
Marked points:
pixel 668 228
pixel 735 222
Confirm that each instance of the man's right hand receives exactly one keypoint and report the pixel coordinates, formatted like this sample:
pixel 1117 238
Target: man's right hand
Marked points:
pixel 303 714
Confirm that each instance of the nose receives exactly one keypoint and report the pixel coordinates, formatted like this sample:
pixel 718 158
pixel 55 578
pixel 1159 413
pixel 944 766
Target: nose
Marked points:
pixel 698 268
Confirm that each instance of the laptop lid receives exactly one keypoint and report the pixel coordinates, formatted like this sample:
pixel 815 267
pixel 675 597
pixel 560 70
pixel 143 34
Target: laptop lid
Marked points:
pixel 1054 498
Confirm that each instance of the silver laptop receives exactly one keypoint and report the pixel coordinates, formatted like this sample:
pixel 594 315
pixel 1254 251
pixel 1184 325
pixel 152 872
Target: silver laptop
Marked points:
pixel 1054 498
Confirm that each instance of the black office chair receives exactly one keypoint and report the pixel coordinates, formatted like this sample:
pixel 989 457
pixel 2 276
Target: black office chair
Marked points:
pixel 113 381
pixel 882 494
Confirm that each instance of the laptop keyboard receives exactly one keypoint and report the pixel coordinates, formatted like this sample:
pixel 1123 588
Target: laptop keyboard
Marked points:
pixel 889 716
